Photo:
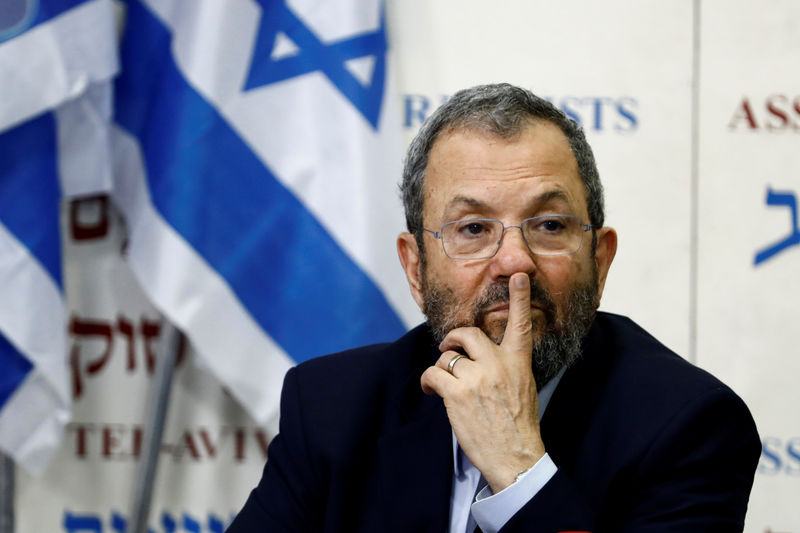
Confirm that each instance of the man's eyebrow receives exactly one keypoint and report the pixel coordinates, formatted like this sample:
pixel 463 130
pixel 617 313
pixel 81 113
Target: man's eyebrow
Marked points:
pixel 555 194
pixel 466 201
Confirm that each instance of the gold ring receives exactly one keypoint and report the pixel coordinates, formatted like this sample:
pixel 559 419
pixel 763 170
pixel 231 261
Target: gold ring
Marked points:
pixel 452 362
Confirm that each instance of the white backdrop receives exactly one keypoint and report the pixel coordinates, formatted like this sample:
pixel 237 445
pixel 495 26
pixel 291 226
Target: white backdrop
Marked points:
pixel 693 110
pixel 748 314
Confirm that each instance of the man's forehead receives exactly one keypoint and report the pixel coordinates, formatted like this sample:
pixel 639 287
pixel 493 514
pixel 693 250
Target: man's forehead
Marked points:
pixel 540 199
pixel 541 141
pixel 461 200
pixel 464 163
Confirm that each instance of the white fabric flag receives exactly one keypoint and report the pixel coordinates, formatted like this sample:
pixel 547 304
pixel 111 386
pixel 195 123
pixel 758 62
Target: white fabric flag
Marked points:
pixel 56 62
pixel 257 154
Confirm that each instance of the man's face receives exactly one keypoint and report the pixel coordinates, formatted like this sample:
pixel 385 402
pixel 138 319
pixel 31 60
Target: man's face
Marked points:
pixel 473 175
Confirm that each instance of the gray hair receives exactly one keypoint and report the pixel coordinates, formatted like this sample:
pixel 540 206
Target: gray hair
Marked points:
pixel 502 110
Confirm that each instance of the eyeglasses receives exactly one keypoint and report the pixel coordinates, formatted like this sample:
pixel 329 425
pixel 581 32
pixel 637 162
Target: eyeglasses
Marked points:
pixel 480 238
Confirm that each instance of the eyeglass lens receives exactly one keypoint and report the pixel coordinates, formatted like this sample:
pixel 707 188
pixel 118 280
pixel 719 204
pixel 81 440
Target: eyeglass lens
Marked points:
pixel 481 238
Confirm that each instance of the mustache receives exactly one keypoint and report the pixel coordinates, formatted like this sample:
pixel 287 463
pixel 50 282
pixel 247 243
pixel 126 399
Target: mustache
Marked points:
pixel 498 293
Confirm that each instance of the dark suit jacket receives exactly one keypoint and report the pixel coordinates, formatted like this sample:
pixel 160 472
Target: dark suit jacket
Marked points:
pixel 643 442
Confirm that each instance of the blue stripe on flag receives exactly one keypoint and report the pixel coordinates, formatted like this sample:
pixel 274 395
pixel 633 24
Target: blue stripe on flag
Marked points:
pixel 282 264
pixel 14 369
pixel 17 16
pixel 30 190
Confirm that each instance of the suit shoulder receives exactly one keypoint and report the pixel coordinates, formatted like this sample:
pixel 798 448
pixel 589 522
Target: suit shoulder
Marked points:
pixel 635 353
pixel 366 375
pixel 344 399
pixel 369 362
pixel 627 364
pixel 634 390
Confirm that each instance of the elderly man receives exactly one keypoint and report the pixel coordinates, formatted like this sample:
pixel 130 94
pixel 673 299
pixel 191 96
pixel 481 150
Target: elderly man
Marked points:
pixel 516 406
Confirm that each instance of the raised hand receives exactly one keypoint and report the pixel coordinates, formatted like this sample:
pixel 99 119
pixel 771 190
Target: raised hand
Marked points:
pixel 491 396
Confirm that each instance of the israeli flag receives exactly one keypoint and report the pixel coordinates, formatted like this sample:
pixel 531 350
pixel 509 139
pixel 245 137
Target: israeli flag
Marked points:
pixel 56 62
pixel 257 148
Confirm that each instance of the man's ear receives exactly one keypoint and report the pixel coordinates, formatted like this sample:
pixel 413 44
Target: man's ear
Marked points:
pixel 604 255
pixel 408 251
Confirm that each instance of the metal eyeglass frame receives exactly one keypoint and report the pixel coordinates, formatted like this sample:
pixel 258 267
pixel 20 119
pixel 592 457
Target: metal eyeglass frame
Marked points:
pixel 440 235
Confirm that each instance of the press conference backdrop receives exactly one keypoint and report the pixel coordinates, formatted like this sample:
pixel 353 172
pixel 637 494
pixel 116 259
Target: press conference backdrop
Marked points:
pixel 233 166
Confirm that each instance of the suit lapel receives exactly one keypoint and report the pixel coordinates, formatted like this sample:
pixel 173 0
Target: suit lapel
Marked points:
pixel 415 457
pixel 572 406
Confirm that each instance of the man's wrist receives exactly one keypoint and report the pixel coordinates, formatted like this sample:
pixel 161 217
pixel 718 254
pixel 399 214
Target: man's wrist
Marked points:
pixel 522 473
pixel 492 511
pixel 512 472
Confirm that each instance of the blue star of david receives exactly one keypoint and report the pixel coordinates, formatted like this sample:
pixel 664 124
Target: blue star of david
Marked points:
pixel 313 55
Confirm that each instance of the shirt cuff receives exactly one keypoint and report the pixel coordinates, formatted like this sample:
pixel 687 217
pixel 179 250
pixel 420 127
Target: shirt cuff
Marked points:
pixel 492 511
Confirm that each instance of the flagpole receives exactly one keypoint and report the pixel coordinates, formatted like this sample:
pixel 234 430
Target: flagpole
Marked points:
pixel 153 428
pixel 6 494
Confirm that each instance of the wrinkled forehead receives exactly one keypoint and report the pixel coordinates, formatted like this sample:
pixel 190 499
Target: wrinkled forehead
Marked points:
pixel 473 164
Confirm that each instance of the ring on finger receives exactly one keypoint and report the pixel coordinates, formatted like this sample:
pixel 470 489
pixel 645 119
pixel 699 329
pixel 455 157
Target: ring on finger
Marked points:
pixel 453 361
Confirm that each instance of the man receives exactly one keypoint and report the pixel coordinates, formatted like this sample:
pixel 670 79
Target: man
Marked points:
pixel 561 418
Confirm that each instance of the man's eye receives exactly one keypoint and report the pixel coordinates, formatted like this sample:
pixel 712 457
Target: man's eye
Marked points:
pixel 471 229
pixel 474 228
pixel 551 225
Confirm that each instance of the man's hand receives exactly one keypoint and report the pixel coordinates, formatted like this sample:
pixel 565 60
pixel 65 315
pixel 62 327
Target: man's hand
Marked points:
pixel 491 398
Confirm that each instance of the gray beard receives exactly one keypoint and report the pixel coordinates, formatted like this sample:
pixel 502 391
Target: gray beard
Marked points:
pixel 559 344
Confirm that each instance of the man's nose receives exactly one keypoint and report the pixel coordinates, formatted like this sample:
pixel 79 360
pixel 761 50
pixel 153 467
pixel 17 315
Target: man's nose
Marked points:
pixel 513 254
